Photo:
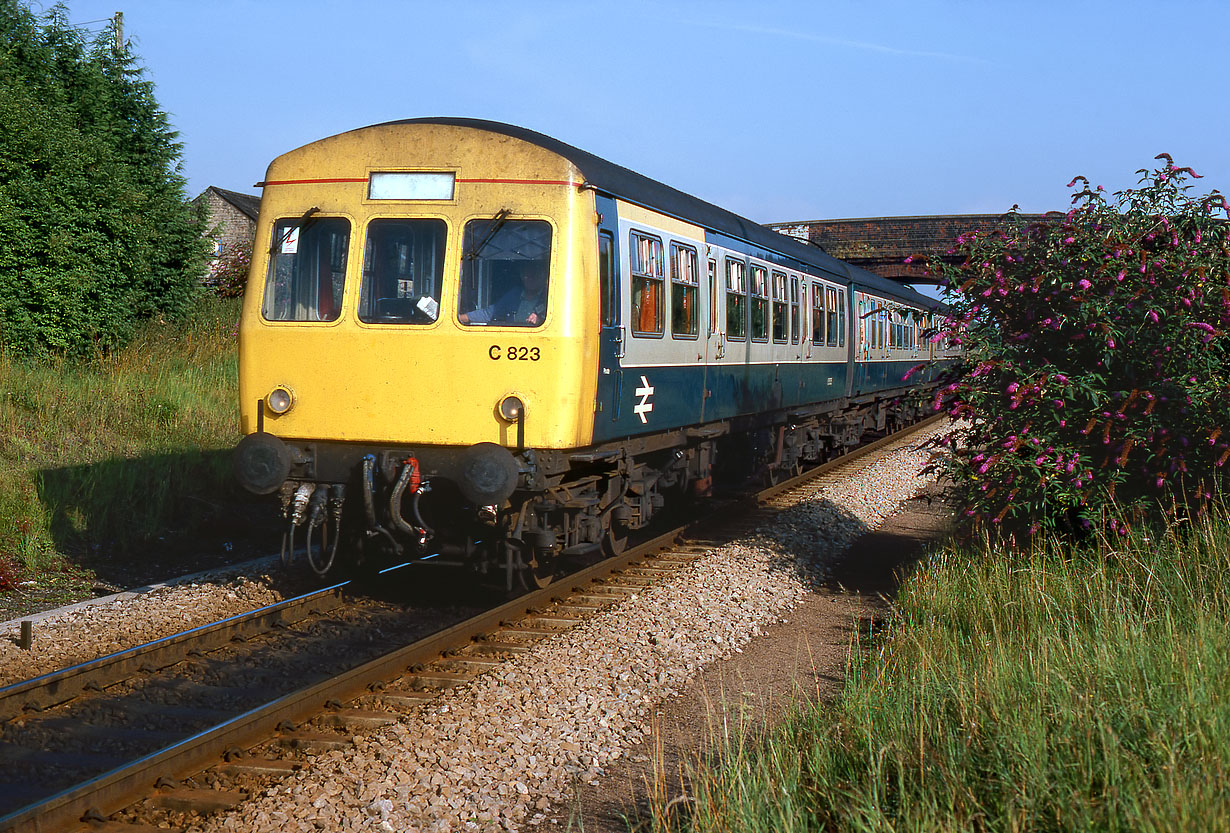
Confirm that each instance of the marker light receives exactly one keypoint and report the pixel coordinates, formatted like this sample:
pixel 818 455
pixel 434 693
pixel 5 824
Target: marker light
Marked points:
pixel 511 408
pixel 279 400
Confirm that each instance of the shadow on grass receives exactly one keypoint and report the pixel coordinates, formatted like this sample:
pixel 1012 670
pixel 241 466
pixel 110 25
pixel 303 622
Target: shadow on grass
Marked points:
pixel 134 521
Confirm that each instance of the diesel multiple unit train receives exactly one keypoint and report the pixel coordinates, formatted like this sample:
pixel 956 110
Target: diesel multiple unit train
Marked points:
pixel 468 341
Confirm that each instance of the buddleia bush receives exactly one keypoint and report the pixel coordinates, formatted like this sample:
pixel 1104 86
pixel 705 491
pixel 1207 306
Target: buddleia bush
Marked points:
pixel 1096 383
pixel 228 277
pixel 95 231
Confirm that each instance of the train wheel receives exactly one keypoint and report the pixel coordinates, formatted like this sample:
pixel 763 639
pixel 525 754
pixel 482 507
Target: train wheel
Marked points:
pixel 538 572
pixel 615 539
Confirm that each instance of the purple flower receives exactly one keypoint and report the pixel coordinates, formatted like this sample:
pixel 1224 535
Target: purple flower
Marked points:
pixel 1084 284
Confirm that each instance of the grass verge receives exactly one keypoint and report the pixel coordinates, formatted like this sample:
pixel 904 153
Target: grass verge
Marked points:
pixel 101 460
pixel 1060 689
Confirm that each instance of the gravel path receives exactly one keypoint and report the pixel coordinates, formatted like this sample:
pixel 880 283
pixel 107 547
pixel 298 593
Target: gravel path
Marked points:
pixel 502 751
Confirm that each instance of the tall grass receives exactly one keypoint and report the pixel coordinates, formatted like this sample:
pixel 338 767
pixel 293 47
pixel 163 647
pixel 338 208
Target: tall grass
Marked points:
pixel 1061 689
pixel 102 456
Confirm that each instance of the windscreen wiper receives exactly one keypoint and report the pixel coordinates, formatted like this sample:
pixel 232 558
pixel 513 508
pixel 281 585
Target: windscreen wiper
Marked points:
pixel 304 222
pixel 497 223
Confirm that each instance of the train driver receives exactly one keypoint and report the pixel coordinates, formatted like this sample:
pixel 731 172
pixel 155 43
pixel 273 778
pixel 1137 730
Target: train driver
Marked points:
pixel 523 306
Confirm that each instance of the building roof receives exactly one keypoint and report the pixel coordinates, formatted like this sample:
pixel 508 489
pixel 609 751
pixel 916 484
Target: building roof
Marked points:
pixel 248 204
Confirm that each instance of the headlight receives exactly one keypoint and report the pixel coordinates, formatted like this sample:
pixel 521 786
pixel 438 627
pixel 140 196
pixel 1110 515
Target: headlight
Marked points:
pixel 511 408
pixel 280 400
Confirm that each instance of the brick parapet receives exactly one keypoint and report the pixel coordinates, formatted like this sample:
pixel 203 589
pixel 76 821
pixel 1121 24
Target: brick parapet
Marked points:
pixel 881 244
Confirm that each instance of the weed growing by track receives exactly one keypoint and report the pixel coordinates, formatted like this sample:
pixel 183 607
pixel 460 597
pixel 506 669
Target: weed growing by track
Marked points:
pixel 1062 689
pixel 100 459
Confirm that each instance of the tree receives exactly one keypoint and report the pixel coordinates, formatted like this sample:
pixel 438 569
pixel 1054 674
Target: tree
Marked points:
pixel 95 230
pixel 1096 383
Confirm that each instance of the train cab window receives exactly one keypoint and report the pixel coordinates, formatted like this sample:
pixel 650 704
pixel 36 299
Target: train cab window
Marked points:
pixel 685 323
pixel 647 280
pixel 817 314
pixel 781 324
pixel 307 269
pixel 505 272
pixel 736 300
pixel 403 262
pixel 607 285
pixel 796 320
pixel 760 304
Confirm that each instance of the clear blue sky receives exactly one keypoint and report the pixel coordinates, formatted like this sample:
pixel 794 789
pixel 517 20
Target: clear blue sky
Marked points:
pixel 780 111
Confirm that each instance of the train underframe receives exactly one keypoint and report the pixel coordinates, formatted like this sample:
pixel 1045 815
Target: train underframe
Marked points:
pixel 516 518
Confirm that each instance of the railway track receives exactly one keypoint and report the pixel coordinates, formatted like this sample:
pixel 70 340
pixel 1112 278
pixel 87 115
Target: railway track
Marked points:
pixel 206 744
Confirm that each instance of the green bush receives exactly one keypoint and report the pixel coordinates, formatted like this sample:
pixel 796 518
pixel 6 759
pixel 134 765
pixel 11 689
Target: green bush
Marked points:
pixel 1096 382
pixel 95 232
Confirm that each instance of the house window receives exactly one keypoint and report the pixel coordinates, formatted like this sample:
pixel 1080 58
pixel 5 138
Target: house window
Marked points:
pixel 760 304
pixel 736 301
pixel 647 279
pixel 685 323
pixel 781 324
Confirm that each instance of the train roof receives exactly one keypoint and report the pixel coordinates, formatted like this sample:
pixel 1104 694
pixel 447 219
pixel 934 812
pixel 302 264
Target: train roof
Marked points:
pixel 633 187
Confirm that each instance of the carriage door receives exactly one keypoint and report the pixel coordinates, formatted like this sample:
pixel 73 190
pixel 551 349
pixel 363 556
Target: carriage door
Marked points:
pixel 611 331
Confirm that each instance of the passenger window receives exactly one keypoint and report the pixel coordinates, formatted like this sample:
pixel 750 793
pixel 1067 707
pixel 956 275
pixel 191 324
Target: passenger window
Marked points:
pixel 841 319
pixel 796 321
pixel 505 272
pixel 833 328
pixel 685 322
pixel 760 304
pixel 403 262
pixel 736 301
pixel 307 269
pixel 713 296
pixel 647 279
pixel 817 314
pixel 781 324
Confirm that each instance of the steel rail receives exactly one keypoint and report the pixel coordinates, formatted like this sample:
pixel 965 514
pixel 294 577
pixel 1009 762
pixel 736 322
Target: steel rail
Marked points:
pixel 899 436
pixel 56 687
pixel 114 790
pixel 119 788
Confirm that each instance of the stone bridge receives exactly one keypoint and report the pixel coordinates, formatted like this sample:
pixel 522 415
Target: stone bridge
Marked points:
pixel 881 244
